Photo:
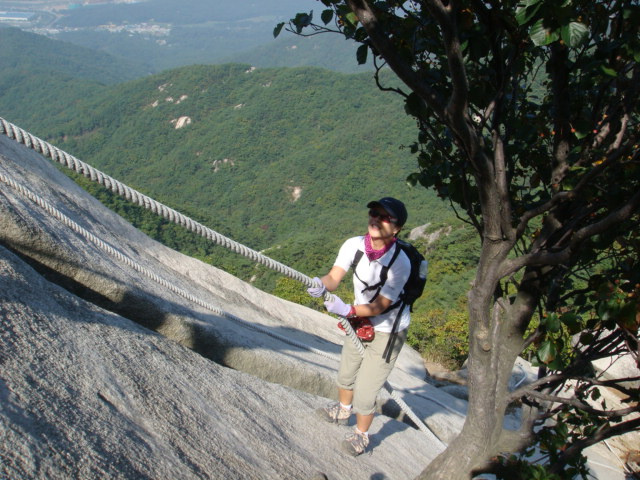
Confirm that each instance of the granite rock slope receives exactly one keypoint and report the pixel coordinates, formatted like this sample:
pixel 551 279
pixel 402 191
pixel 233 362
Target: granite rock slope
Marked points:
pixel 104 373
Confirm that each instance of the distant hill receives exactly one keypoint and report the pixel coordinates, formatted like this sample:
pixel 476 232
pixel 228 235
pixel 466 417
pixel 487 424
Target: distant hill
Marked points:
pixel 27 52
pixel 204 45
pixel 329 51
pixel 157 35
pixel 262 148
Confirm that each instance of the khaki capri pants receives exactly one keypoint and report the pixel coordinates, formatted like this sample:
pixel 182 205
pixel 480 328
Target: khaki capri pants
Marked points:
pixel 366 375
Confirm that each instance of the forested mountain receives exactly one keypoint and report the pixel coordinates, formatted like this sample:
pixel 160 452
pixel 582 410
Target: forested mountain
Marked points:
pixel 265 155
pixel 282 160
pixel 325 51
pixel 26 54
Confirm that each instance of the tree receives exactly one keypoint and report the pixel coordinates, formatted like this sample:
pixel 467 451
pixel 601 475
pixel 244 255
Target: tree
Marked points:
pixel 527 123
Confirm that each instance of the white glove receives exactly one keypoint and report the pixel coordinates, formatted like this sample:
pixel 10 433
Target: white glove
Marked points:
pixel 318 290
pixel 337 306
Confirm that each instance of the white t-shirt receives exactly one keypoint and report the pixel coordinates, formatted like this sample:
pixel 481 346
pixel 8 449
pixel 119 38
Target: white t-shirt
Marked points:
pixel 369 272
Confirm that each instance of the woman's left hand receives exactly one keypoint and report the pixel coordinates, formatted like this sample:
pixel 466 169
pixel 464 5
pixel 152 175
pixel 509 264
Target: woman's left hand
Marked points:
pixel 337 306
pixel 318 289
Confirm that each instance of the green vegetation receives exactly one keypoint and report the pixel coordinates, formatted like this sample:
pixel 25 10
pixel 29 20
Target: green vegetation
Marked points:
pixel 26 54
pixel 439 324
pixel 325 51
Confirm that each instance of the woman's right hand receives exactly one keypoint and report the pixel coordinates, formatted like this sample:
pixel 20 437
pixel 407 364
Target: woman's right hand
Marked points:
pixel 318 289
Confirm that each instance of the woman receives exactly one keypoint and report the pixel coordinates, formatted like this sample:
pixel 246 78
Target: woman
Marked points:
pixel 360 378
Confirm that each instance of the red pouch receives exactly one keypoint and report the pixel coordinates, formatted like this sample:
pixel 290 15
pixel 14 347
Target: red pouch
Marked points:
pixel 362 326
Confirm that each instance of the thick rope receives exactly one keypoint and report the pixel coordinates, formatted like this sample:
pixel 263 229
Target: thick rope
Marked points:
pixel 78 166
pixel 46 149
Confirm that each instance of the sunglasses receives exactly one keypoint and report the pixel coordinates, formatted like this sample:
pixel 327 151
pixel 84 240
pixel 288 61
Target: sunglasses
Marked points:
pixel 382 216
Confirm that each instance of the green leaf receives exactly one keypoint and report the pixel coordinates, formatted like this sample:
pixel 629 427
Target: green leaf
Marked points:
pixel 524 13
pixel 580 135
pixel 413 179
pixel 302 20
pixel 547 351
pixel 562 430
pixel 574 34
pixel 579 33
pixel 627 315
pixel 276 31
pixel 360 35
pixel 608 71
pixel 414 105
pixel 556 364
pixel 541 36
pixel 571 321
pixel 361 54
pixel 580 299
pixel 351 18
pixel 608 309
pixel 552 322
pixel 587 338
pixel 326 16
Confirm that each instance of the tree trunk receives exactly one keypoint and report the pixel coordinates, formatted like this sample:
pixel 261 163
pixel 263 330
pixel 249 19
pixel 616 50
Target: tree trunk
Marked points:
pixel 492 354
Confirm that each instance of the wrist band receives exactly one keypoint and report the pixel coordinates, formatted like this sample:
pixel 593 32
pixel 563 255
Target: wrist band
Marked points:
pixel 352 312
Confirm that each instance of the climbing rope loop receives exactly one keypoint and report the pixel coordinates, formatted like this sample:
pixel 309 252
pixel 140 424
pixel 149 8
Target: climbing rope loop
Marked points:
pixel 69 161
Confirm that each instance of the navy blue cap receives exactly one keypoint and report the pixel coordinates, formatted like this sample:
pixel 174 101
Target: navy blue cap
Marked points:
pixel 394 207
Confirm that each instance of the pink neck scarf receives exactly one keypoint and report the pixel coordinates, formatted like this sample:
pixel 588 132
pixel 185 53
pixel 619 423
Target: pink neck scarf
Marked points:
pixel 375 254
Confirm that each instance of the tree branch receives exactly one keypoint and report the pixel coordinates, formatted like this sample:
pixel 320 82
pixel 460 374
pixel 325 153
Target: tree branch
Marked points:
pixel 502 187
pixel 601 167
pixel 546 257
pixel 554 380
pixel 614 218
pixel 574 402
pixel 382 88
pixel 563 196
pixel 602 434
pixel 529 215
pixel 383 45
pixel 558 64
pixel 458 102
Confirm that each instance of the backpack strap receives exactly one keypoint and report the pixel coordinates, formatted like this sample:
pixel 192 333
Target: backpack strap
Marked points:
pixel 386 269
pixel 383 275
pixel 393 336
pixel 356 259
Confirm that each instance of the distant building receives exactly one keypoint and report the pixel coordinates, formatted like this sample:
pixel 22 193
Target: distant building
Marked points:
pixel 16 16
